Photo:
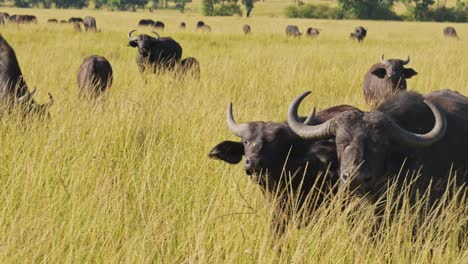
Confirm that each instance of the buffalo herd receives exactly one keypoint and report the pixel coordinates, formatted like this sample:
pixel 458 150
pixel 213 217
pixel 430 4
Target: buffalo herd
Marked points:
pixel 342 147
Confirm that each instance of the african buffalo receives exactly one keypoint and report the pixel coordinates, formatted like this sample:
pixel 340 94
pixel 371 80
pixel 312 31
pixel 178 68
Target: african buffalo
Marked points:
pixel 200 24
pixel 23 19
pixel 63 22
pixel 146 22
pixel 359 34
pixel 89 23
pixel 94 76
pixel 450 32
pixel 159 25
pixel 246 28
pixel 385 79
pixel 282 163
pixel 312 32
pixel 13 88
pixel 75 20
pixel 427 133
pixel 4 17
pixel 182 25
pixel 292 31
pixel 52 21
pixel 155 53
pixel 190 65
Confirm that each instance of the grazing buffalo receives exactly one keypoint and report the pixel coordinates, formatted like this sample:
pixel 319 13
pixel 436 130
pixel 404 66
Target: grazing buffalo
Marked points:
pixel 89 23
pixel 155 53
pixel 190 65
pixel 312 32
pixel 159 25
pixel 200 24
pixel 282 163
pixel 450 32
pixel 77 27
pixel 359 34
pixel 23 19
pixel 182 25
pixel 246 28
pixel 75 20
pixel 94 76
pixel 426 133
pixel 63 22
pixel 146 22
pixel 52 21
pixel 292 31
pixel 13 88
pixel 385 79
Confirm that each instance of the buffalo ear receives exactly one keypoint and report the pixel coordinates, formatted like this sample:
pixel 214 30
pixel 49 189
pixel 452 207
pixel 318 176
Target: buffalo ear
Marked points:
pixel 408 73
pixel 228 151
pixel 379 72
pixel 132 43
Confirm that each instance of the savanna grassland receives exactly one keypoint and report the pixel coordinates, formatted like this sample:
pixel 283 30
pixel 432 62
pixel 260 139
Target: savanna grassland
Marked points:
pixel 128 179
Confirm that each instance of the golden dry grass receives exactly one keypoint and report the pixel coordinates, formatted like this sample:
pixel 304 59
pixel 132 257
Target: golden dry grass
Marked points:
pixel 128 179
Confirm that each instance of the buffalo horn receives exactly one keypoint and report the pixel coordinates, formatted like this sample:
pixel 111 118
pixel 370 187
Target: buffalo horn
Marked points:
pixel 421 140
pixel 130 35
pixel 406 61
pixel 156 33
pixel 237 129
pixel 322 131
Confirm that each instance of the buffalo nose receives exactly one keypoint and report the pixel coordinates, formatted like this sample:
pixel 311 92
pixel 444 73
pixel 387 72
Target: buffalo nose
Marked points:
pixel 253 164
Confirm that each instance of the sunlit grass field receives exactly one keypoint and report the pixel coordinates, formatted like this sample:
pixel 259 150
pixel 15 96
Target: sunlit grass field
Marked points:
pixel 128 179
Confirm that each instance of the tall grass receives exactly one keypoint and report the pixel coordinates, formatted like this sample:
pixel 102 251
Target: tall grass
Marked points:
pixel 128 179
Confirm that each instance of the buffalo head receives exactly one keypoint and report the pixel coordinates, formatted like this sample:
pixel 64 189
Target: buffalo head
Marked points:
pixel 143 42
pixel 394 70
pixel 364 140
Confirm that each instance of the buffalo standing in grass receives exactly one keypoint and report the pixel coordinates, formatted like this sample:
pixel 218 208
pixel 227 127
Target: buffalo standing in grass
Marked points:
pixel 182 25
pixel 52 21
pixel 190 65
pixel 427 133
pixel 146 22
pixel 359 34
pixel 450 32
pixel 292 31
pixel 89 23
pixel 76 27
pixel 312 32
pixel 246 28
pixel 283 164
pixel 75 20
pixel 385 79
pixel 159 25
pixel 155 53
pixel 13 88
pixel 4 17
pixel 94 76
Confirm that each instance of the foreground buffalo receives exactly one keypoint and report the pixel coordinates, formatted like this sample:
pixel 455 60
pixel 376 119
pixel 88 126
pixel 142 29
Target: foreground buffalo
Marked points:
pixel 292 31
pixel 13 88
pixel 89 23
pixel 155 53
pixel 359 34
pixel 75 20
pixel 450 32
pixel 427 133
pixel 246 28
pixel 312 32
pixel 94 76
pixel 385 79
pixel 278 160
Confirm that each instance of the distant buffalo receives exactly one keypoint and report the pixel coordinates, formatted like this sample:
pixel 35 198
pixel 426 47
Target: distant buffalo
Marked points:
pixel 450 32
pixel 75 20
pixel 200 24
pixel 159 25
pixel 63 22
pixel 23 19
pixel 292 31
pixel 385 79
pixel 155 53
pixel 94 76
pixel 146 22
pixel 52 21
pixel 4 17
pixel 89 23
pixel 359 34
pixel 182 25
pixel 13 88
pixel 284 165
pixel 312 32
pixel 246 28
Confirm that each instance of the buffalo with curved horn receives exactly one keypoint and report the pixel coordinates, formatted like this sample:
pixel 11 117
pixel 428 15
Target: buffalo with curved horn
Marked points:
pixel 155 53
pixel 418 131
pixel 13 88
pixel 278 160
pixel 386 78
